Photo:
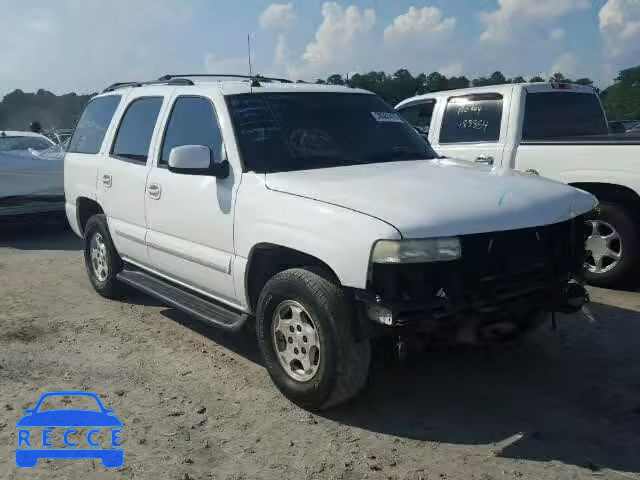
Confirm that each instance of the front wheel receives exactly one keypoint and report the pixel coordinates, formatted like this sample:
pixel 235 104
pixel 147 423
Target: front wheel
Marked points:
pixel 304 332
pixel 613 245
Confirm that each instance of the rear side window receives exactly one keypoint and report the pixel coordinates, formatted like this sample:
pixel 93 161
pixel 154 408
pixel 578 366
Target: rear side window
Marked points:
pixel 472 118
pixel 192 122
pixel 93 125
pixel 136 129
pixel 562 114
pixel 419 116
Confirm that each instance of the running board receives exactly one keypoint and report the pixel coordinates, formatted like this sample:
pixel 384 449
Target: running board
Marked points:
pixel 204 310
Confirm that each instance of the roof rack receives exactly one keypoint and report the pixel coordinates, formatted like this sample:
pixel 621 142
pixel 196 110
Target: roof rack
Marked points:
pixel 170 81
pixel 184 80
pixel 255 78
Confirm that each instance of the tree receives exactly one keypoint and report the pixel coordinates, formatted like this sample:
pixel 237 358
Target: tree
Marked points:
pixel 558 78
pixel 497 78
pixel 400 86
pixel 335 79
pixel 536 78
pixel 436 82
pixel 622 100
pixel 458 82
pixel 518 80
pixel 18 109
pixel 585 81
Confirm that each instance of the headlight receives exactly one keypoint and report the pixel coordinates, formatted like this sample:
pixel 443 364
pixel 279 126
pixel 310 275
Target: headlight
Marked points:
pixel 417 251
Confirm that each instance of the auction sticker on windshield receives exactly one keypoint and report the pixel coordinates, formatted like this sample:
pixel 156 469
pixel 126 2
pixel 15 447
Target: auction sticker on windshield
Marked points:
pixel 56 428
pixel 387 117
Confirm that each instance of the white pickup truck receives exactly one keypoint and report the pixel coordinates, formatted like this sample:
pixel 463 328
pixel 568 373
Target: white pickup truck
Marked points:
pixel 318 213
pixel 555 130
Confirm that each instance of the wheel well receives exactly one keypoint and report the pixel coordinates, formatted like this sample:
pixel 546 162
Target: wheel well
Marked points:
pixel 266 260
pixel 87 208
pixel 608 192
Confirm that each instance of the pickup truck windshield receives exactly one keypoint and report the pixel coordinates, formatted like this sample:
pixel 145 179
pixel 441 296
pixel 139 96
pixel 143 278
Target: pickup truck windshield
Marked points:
pixel 562 114
pixel 298 131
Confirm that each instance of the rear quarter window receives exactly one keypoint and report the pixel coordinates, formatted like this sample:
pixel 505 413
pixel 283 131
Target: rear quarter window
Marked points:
pixel 472 119
pixel 93 125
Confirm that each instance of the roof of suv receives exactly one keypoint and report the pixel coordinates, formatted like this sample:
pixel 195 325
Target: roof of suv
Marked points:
pixel 232 86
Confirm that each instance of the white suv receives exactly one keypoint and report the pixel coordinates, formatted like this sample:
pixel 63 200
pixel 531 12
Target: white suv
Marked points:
pixel 318 213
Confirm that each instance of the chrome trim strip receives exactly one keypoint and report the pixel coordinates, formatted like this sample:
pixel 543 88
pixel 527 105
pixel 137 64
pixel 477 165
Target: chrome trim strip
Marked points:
pixel 186 285
pixel 130 237
pixel 189 258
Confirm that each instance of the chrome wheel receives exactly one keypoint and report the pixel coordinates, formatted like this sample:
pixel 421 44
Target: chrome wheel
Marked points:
pixel 98 253
pixel 296 341
pixel 604 247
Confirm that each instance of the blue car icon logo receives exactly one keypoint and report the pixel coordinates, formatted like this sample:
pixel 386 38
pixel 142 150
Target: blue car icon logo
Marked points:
pixel 102 423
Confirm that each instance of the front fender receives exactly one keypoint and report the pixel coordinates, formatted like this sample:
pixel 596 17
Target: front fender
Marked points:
pixel 337 236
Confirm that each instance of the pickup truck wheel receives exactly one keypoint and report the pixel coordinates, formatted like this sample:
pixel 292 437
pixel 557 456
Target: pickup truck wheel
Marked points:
pixel 613 246
pixel 101 258
pixel 304 332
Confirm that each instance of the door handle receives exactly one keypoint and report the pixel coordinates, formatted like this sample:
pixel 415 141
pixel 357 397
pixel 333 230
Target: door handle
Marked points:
pixel 154 191
pixel 486 159
pixel 107 180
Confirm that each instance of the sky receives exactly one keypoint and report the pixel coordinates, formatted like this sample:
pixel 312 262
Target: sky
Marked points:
pixel 84 45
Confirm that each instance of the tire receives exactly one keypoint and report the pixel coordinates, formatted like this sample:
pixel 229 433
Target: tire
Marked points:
pixel 110 262
pixel 619 219
pixel 343 364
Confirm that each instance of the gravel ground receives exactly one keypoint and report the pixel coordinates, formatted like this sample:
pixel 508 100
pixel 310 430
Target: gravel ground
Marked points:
pixel 197 403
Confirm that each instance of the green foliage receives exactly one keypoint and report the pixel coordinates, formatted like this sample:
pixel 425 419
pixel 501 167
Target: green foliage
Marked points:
pixel 402 84
pixel 558 78
pixel 622 99
pixel 18 109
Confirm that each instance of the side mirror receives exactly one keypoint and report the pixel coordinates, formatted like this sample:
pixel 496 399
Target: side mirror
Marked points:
pixel 189 159
pixel 196 160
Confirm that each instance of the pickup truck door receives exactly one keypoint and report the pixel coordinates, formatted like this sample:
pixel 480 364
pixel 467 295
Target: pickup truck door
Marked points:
pixel 122 174
pixel 473 127
pixel 190 216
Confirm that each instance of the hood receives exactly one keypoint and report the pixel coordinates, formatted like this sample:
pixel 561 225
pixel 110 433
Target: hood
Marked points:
pixel 442 197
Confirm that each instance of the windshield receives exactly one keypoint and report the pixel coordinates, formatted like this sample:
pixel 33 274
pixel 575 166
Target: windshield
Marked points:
pixel 562 114
pixel 299 131
pixel 10 144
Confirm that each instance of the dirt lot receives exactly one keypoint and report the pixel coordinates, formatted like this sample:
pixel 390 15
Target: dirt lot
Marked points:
pixel 198 404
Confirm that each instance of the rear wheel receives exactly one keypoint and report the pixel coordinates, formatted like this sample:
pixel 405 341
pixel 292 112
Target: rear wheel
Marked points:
pixel 612 245
pixel 101 258
pixel 304 333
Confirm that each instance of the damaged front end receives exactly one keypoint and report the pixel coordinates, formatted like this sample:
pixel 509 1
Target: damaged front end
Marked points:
pixel 503 285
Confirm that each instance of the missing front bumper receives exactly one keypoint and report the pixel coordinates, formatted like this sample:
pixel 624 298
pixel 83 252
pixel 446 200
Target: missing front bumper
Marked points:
pixel 470 319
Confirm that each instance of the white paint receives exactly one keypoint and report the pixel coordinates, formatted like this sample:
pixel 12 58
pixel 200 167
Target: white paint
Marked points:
pixel 201 231
pixel 614 164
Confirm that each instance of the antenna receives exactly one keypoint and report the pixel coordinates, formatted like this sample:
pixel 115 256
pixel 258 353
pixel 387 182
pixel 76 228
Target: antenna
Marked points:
pixel 250 66
pixel 249 50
